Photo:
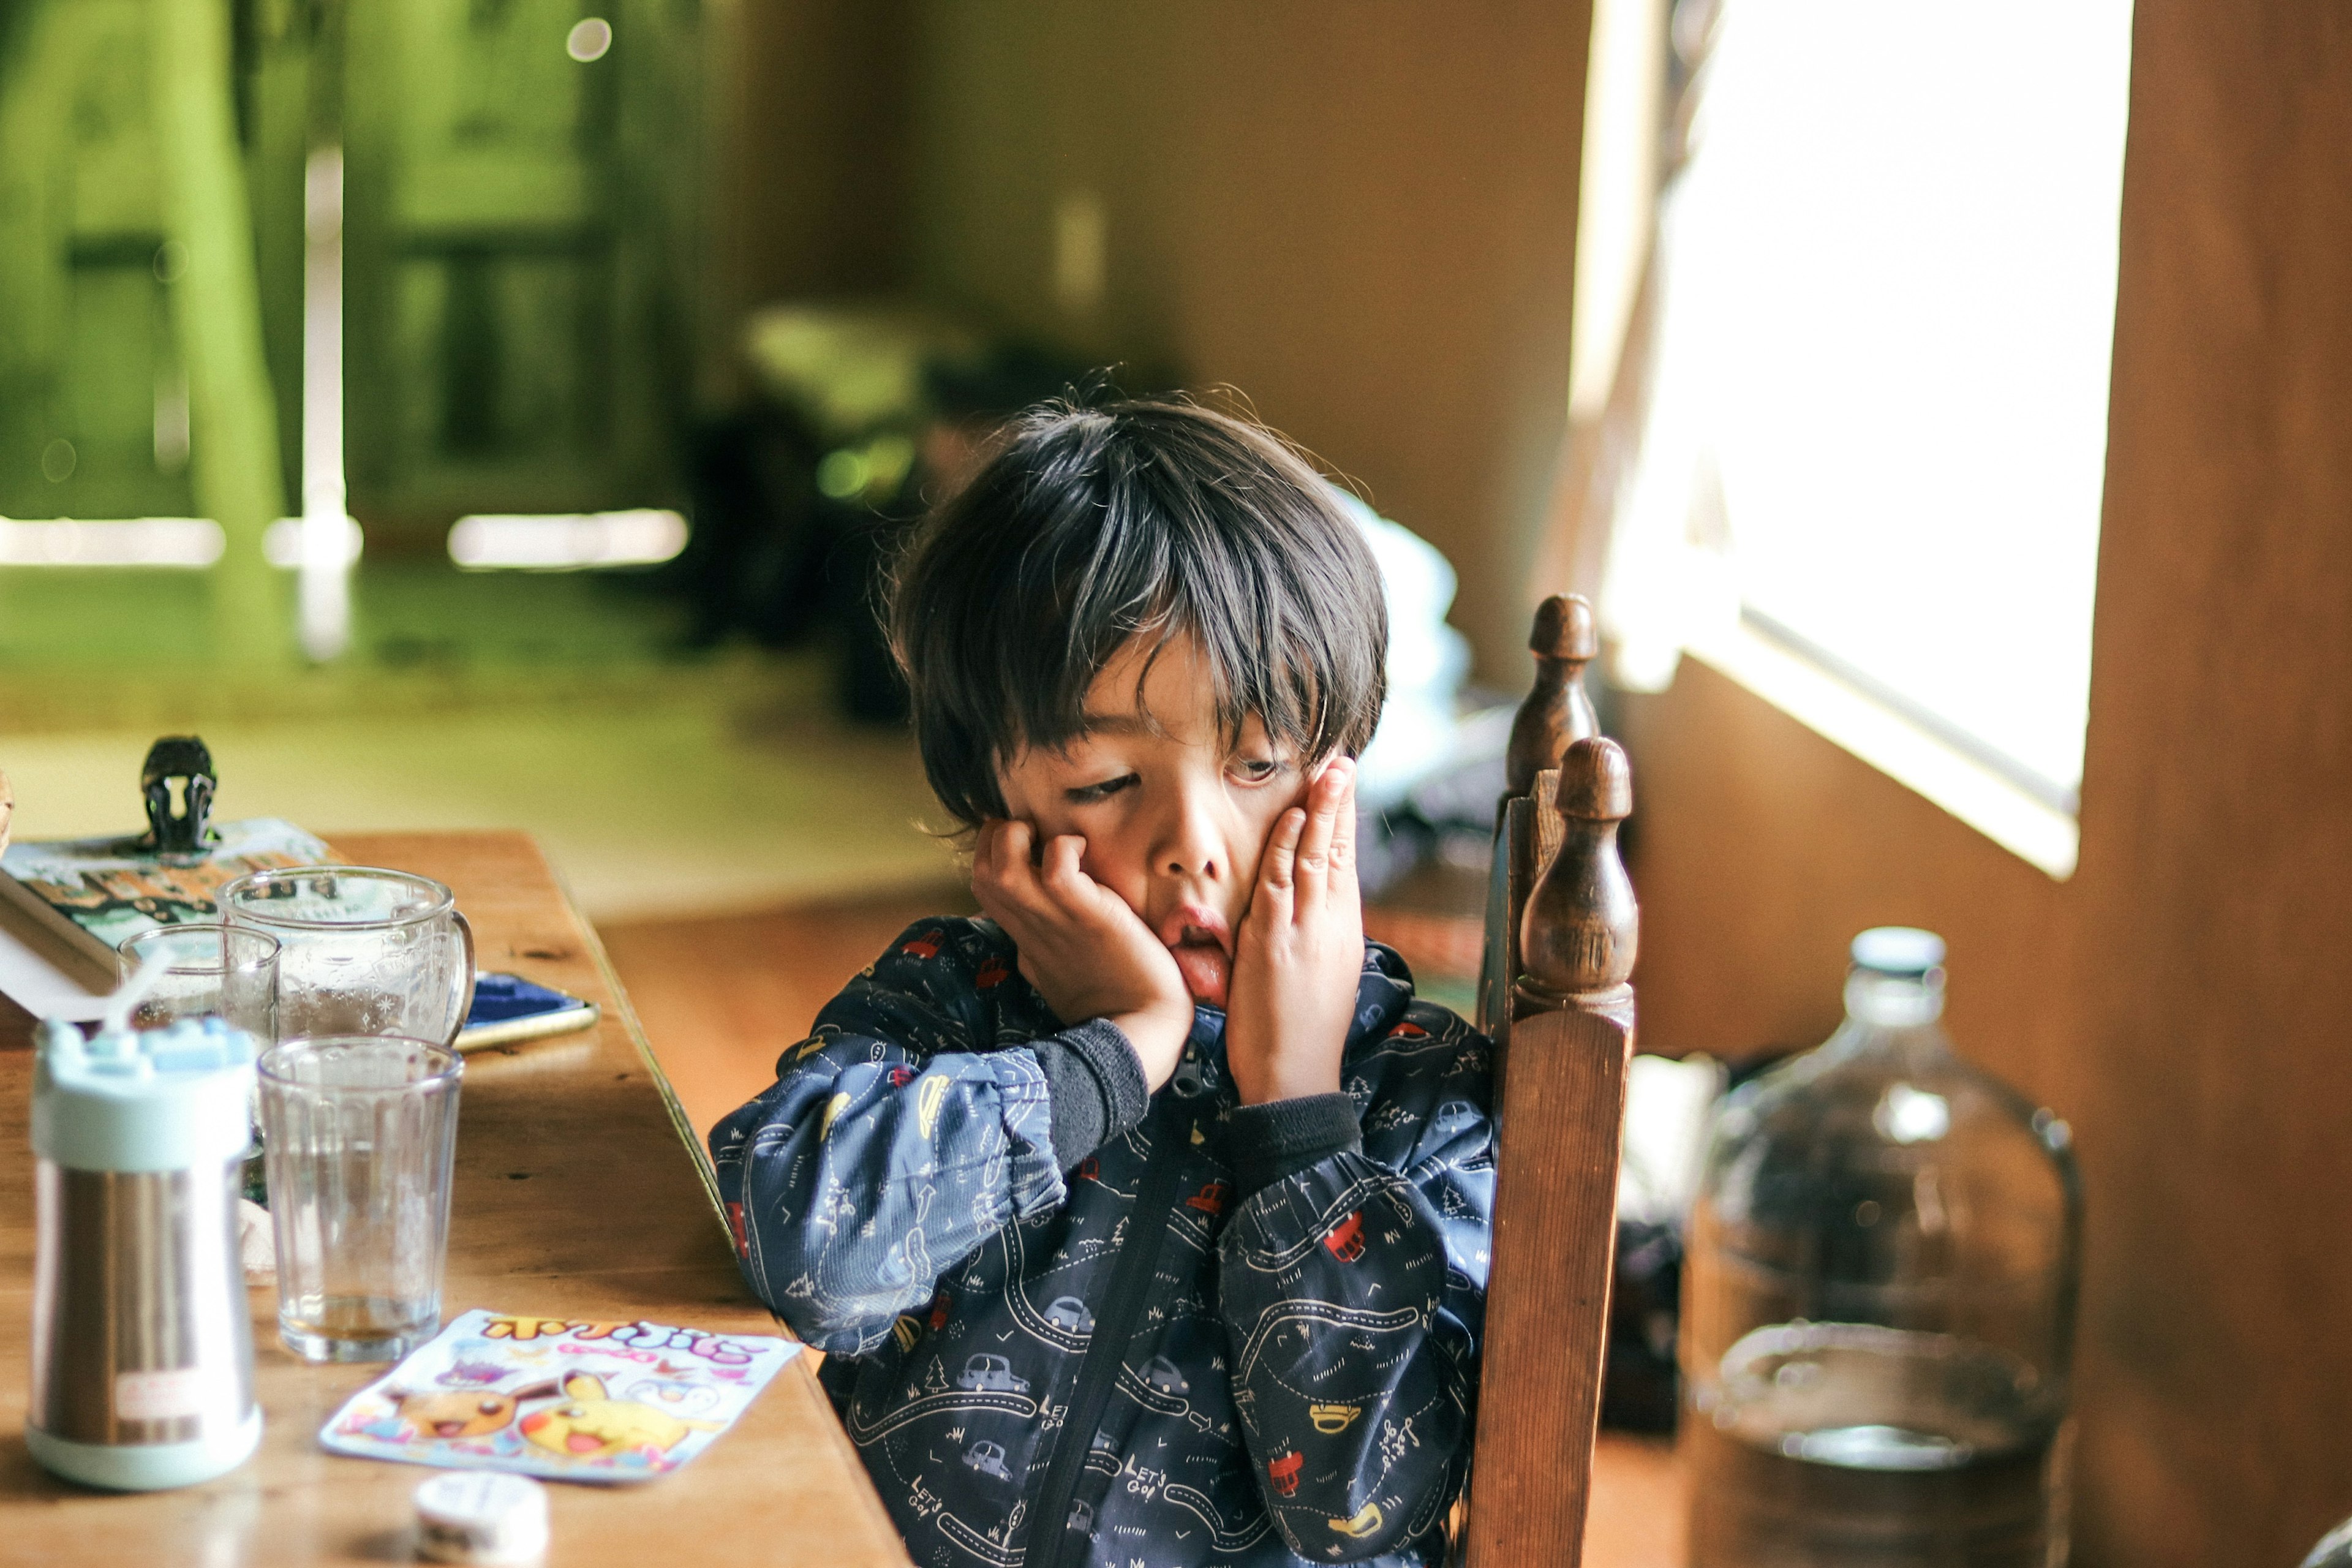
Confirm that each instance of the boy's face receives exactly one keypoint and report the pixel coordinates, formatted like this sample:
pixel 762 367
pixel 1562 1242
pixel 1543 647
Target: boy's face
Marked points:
pixel 1174 815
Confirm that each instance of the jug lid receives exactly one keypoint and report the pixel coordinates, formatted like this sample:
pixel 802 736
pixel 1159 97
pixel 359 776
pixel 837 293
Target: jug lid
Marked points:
pixel 154 1099
pixel 1901 951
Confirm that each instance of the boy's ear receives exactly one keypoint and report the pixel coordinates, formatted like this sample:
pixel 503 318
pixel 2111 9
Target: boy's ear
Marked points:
pixel 584 1385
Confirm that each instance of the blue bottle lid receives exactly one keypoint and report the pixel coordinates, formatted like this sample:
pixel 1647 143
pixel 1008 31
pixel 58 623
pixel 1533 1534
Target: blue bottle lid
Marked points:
pixel 1905 952
pixel 158 1100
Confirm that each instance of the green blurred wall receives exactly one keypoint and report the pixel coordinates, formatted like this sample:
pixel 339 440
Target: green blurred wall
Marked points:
pixel 524 244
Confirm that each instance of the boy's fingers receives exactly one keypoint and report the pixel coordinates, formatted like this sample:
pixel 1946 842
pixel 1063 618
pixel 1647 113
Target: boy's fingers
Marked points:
pixel 1322 822
pixel 1010 874
pixel 983 855
pixel 1060 873
pixel 988 853
pixel 1343 836
pixel 1275 865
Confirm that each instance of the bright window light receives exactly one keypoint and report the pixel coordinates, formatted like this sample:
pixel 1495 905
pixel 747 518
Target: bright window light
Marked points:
pixel 187 542
pixel 291 544
pixel 1887 301
pixel 567 543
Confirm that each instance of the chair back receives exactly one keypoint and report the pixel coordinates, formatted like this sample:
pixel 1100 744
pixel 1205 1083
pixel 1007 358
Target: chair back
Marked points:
pixel 1555 999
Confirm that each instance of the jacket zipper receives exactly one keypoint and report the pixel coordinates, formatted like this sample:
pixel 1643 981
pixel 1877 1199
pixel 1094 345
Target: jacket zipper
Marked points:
pixel 1130 1284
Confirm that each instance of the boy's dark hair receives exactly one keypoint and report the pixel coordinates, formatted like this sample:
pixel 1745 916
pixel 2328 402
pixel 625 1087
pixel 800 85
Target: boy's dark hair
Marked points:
pixel 1089 526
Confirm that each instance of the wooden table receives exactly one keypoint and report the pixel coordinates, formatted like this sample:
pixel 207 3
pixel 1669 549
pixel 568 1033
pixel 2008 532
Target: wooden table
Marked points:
pixel 574 1197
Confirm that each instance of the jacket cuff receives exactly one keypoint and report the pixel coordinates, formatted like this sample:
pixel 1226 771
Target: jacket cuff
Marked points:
pixel 1094 1087
pixel 1284 1137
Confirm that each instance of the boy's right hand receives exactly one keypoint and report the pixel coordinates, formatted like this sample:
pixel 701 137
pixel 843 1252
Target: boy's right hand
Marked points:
pixel 1087 954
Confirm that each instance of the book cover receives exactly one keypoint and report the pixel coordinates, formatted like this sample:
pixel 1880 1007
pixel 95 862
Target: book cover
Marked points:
pixel 93 892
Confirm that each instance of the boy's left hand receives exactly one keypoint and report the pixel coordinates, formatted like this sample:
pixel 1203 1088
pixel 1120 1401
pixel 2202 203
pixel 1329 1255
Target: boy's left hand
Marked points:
pixel 1300 950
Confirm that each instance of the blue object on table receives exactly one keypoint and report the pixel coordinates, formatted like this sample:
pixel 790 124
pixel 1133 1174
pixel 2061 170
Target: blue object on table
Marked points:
pixel 507 1008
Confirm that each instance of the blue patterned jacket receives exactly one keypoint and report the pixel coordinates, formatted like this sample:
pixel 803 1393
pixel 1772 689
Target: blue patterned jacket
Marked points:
pixel 1067 1323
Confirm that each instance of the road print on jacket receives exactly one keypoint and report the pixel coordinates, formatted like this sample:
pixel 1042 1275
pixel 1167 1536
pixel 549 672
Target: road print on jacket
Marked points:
pixel 1295 1378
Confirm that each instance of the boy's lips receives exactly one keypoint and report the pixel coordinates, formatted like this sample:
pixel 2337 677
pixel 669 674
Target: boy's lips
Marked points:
pixel 1200 941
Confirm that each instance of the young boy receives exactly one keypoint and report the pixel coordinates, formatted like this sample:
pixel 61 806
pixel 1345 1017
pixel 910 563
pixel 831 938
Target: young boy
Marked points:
pixel 1143 1222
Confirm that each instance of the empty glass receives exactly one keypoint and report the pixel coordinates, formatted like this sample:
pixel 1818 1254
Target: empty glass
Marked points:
pixel 362 951
pixel 212 970
pixel 359 1132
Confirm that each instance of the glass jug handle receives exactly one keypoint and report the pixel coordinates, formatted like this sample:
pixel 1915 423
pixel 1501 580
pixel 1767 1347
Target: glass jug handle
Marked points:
pixel 465 976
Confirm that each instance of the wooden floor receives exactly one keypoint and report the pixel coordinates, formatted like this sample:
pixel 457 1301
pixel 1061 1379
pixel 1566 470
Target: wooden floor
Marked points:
pixel 721 997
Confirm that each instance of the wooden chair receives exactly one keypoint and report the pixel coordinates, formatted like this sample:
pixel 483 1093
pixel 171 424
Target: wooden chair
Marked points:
pixel 1560 932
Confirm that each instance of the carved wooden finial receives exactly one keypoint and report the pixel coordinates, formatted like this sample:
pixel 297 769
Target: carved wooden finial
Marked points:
pixel 1557 710
pixel 1578 935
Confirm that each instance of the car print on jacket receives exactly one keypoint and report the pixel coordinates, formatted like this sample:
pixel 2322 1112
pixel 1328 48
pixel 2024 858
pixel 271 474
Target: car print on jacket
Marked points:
pixel 1069 1313
pixel 991 1374
pixel 1161 1373
pixel 1346 1239
pixel 1210 1199
pixel 1284 1352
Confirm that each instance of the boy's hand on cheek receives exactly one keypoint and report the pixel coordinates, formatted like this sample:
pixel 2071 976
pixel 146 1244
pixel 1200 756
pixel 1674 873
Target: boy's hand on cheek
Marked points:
pixel 1299 949
pixel 1087 954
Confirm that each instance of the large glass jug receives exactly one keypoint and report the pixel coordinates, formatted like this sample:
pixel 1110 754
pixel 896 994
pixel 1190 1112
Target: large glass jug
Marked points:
pixel 1878 1301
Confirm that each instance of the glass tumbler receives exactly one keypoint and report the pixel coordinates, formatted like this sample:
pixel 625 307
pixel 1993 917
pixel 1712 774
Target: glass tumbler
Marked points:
pixel 212 970
pixel 359 1132
pixel 362 951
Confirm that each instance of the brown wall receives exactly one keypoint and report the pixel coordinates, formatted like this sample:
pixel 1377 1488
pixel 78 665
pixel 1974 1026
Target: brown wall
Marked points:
pixel 2185 999
pixel 810 103
pixel 1362 217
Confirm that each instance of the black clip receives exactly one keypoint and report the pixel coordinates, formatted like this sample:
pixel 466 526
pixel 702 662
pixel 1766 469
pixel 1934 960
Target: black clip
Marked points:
pixel 186 759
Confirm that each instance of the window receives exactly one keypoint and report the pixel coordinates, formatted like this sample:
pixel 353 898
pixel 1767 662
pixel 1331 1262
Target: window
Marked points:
pixel 1874 428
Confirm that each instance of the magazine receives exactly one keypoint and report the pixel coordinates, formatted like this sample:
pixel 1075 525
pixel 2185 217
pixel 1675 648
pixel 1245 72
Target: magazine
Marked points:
pixel 565 1398
pixel 91 893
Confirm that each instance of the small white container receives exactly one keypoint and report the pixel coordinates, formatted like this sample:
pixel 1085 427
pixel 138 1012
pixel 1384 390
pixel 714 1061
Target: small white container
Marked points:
pixel 481 1517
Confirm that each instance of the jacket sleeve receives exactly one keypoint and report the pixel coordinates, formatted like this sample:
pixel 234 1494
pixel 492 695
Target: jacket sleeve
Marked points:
pixel 1353 1288
pixel 896 1141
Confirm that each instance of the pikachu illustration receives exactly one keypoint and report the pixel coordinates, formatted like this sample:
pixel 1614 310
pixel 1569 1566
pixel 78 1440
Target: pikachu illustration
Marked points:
pixel 454 1413
pixel 592 1425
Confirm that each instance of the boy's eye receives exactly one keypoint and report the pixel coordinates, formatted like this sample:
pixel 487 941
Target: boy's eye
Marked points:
pixel 1256 770
pixel 1087 794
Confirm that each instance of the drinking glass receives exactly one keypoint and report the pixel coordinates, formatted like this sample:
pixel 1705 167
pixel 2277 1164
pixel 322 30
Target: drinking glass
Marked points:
pixel 212 970
pixel 360 1131
pixel 362 950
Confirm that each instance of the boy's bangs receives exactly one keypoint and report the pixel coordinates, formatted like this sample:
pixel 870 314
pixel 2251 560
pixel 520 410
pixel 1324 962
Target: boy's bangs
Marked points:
pixel 1092 528
pixel 1170 565
pixel 1294 714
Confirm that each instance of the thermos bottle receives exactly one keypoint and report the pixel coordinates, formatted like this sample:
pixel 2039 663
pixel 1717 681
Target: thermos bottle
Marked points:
pixel 142 1343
